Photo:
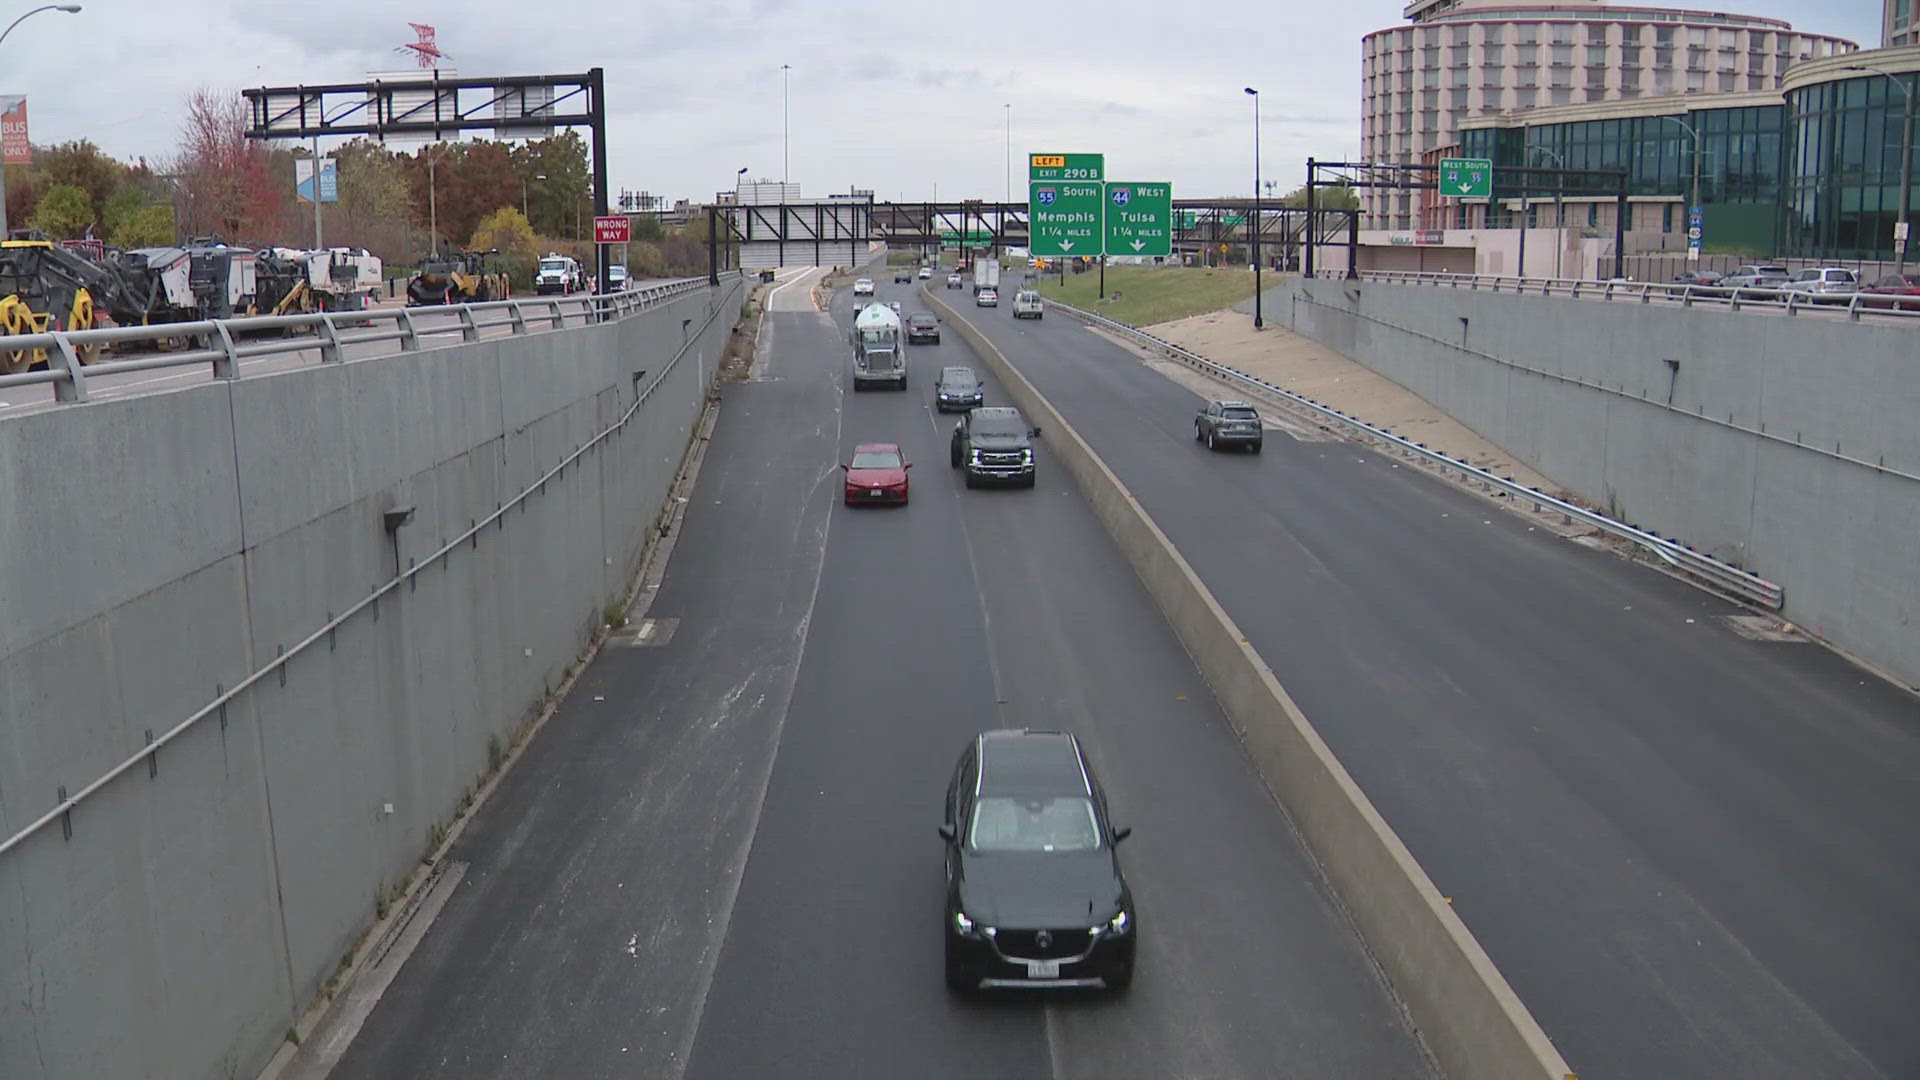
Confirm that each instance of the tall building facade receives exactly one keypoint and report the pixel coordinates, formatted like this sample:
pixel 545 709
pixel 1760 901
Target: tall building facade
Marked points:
pixel 1896 23
pixel 1459 59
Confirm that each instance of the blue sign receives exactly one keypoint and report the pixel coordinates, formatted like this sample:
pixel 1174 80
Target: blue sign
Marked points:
pixel 329 180
pixel 1045 196
pixel 1696 227
pixel 1121 195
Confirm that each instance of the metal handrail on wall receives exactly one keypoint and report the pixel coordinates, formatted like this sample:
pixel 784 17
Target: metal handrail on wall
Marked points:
pixel 1717 572
pixel 149 754
pixel 225 342
pixel 1733 298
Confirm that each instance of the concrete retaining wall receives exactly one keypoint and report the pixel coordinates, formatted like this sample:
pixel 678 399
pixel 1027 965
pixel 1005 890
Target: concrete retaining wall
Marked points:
pixel 163 546
pixel 1778 443
pixel 1464 1008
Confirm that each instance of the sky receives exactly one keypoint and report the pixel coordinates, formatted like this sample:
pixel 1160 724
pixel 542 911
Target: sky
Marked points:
pixel 907 98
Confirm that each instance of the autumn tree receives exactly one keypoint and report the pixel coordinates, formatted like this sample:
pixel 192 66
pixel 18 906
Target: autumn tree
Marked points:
pixel 374 210
pixel 227 180
pixel 64 213
pixel 507 232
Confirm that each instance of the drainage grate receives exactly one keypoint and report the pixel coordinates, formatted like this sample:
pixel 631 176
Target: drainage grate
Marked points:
pixel 645 633
pixel 1763 628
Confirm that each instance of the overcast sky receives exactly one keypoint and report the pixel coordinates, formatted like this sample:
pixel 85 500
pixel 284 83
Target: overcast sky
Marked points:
pixel 898 97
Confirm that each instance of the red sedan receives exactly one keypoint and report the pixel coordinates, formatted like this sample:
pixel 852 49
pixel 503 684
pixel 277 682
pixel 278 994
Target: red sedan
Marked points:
pixel 1894 291
pixel 877 474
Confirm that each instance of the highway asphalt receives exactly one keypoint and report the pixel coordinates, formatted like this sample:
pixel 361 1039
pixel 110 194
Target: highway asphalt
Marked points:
pixel 1691 853
pixel 728 867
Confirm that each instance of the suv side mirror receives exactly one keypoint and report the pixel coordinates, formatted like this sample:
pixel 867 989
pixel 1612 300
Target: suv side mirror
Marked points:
pixel 948 833
pixel 1122 833
pixel 1035 433
pixel 844 467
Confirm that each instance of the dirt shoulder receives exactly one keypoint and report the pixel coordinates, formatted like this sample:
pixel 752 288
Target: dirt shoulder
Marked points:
pixel 1295 363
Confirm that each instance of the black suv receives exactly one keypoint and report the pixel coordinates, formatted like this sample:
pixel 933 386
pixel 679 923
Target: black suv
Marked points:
pixel 994 445
pixel 1035 897
pixel 922 327
pixel 958 388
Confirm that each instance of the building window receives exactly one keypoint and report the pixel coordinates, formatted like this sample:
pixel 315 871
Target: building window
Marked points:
pixel 1563 95
pixel 1526 55
pixel 1527 34
pixel 1562 34
pixel 1462 55
pixel 1460 97
pixel 1597 55
pixel 1666 218
pixel 1593 215
pixel 1626 217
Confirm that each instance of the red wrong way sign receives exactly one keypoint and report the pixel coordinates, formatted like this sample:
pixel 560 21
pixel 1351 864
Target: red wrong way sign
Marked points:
pixel 613 229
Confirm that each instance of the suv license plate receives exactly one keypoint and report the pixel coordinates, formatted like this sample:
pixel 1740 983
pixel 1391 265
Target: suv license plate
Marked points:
pixel 1043 969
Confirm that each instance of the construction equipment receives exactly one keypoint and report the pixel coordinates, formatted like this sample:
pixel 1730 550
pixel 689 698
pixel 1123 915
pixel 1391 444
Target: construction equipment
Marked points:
pixel 290 282
pixel 457 278
pixel 46 288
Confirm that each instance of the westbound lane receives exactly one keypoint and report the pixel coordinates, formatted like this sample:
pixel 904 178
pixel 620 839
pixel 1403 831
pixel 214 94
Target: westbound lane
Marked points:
pixel 1691 854
pixel 729 868
pixel 974 609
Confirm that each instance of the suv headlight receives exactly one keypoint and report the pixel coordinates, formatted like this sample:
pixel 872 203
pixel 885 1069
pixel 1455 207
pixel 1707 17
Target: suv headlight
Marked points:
pixel 1026 456
pixel 1120 923
pixel 963 924
pixel 976 457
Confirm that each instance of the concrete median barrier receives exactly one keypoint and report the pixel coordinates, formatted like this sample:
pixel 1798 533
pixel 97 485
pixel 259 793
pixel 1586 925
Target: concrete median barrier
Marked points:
pixel 1475 1024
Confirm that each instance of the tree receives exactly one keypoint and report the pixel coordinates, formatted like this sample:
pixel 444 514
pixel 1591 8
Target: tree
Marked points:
pixel 80 164
pixel 145 226
pixel 227 180
pixel 1325 197
pixel 374 210
pixel 647 227
pixel 645 260
pixel 507 232
pixel 64 213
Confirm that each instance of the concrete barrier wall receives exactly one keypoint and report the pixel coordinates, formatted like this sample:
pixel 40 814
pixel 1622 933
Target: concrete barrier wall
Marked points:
pixel 1470 1018
pixel 161 547
pixel 1779 443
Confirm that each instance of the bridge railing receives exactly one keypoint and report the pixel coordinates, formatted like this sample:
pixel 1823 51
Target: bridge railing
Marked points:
pixel 1715 571
pixel 1734 298
pixel 224 343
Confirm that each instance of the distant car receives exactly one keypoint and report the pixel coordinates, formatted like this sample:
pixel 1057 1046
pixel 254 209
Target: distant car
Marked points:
pixel 617 280
pixel 958 388
pixel 1698 278
pixel 903 277
pixel 1229 423
pixel 1756 276
pixel 922 328
pixel 1893 291
pixel 1831 283
pixel 925 273
pixel 993 445
pixel 895 305
pixel 863 287
pixel 1026 305
pixel 986 298
pixel 877 475
pixel 955 281
pixel 1035 896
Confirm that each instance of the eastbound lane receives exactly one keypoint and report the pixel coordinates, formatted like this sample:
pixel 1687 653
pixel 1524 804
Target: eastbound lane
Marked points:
pixel 1691 853
pixel 729 868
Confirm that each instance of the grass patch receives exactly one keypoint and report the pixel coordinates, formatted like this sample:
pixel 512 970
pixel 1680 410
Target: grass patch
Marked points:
pixel 1154 294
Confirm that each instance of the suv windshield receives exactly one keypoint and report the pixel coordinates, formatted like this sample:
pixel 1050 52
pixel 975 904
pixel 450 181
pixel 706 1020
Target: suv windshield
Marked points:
pixel 876 459
pixel 956 380
pixel 1003 823
pixel 998 426
pixel 553 264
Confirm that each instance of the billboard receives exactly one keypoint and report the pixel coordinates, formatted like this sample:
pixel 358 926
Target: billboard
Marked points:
pixel 303 180
pixel 13 130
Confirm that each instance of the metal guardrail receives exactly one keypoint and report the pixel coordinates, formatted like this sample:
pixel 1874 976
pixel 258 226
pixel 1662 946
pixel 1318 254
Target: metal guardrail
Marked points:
pixel 223 343
pixel 150 753
pixel 1715 571
pixel 1733 298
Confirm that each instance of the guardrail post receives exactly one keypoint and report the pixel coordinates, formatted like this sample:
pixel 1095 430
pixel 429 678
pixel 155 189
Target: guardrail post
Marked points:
pixel 66 816
pixel 409 334
pixel 469 330
pixel 329 339
pixel 559 317
pixel 226 365
pixel 65 359
pixel 519 317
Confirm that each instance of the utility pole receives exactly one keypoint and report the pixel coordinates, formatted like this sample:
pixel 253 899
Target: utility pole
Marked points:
pixel 1254 225
pixel 319 244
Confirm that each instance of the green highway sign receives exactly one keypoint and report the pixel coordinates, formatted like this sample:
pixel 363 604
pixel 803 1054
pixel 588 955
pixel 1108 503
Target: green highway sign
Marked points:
pixel 1466 178
pixel 1064 218
pixel 1057 167
pixel 1139 218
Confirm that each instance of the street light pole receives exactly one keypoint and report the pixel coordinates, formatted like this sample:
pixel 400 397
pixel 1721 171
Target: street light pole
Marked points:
pixel 1008 197
pixel 1258 321
pixel 1693 251
pixel 1559 215
pixel 71 9
pixel 1901 240
pixel 785 113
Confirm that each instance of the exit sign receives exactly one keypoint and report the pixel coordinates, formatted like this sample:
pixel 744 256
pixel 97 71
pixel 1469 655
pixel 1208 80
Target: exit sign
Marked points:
pixel 1466 178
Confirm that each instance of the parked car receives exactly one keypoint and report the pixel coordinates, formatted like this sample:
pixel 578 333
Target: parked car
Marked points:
pixel 863 287
pixel 1832 283
pixel 1026 305
pixel 993 445
pixel 923 327
pixel 925 273
pixel 1891 291
pixel 986 298
pixel 955 281
pixel 1699 278
pixel 1756 276
pixel 958 388
pixel 877 474
pixel 617 280
pixel 1229 423
pixel 903 277
pixel 1035 896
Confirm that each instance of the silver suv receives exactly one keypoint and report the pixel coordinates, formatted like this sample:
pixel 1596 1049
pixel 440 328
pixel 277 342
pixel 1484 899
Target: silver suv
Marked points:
pixel 1229 423
pixel 1756 276
pixel 1824 282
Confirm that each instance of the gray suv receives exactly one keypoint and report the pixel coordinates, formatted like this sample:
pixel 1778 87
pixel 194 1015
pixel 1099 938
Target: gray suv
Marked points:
pixel 1229 423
